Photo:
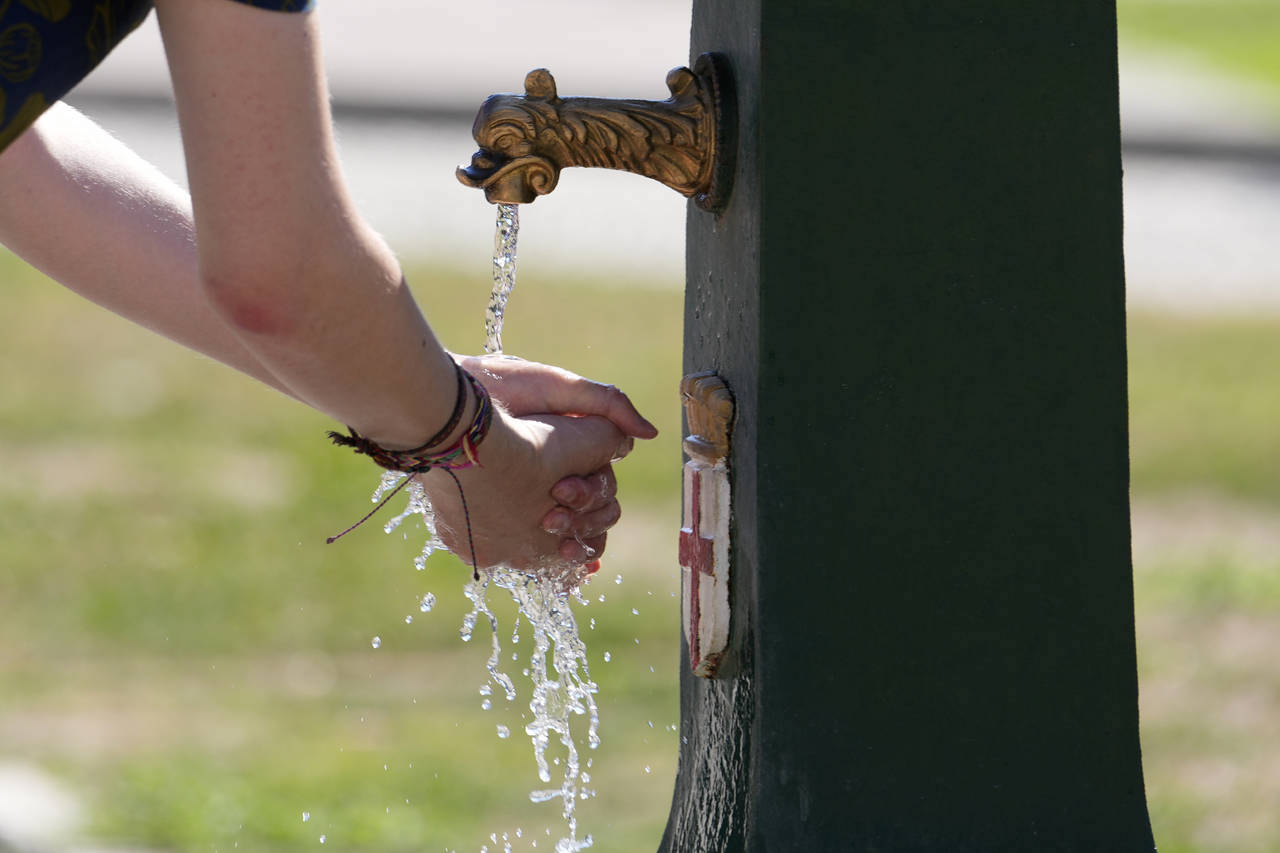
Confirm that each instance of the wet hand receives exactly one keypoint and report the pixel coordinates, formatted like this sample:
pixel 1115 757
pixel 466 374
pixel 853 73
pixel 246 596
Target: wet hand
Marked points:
pixel 586 506
pixel 510 494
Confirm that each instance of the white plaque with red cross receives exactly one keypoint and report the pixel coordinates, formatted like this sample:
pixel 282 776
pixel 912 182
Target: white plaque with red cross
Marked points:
pixel 708 508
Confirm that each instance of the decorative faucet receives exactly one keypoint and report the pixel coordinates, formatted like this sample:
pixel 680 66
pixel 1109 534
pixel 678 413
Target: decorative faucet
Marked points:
pixel 686 141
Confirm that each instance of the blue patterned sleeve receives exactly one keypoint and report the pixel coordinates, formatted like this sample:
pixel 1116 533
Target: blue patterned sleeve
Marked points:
pixel 281 5
pixel 48 46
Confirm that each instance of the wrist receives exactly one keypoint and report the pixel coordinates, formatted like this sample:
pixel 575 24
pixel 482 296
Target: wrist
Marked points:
pixel 438 451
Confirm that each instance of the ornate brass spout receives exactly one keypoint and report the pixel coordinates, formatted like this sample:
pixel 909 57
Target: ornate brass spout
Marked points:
pixel 684 141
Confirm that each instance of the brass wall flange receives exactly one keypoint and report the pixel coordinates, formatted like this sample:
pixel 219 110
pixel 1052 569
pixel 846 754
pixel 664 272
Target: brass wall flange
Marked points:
pixel 686 141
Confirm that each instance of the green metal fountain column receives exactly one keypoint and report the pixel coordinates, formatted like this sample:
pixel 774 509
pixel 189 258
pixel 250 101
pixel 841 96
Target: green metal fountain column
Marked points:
pixel 916 295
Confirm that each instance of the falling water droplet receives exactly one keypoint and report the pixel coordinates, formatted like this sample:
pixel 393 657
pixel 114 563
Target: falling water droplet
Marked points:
pixel 377 642
pixel 607 657
pixel 306 816
pixel 504 732
pixel 428 602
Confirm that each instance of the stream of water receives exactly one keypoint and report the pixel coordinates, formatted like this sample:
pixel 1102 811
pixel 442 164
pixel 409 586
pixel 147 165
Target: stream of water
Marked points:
pixel 505 237
pixel 561 685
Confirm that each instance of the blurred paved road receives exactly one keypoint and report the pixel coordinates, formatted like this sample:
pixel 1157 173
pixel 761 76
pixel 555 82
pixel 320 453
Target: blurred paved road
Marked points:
pixel 1202 189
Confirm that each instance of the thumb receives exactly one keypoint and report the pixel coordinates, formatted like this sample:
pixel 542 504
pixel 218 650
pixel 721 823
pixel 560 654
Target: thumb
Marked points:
pixel 585 397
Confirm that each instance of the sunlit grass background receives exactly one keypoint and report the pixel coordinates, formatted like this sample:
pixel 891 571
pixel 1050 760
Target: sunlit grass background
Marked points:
pixel 177 640
pixel 1234 36
pixel 179 645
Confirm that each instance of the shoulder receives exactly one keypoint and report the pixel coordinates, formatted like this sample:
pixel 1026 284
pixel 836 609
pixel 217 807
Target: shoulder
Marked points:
pixel 48 46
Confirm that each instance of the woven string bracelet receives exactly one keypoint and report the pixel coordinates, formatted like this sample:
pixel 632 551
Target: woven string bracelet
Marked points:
pixel 461 454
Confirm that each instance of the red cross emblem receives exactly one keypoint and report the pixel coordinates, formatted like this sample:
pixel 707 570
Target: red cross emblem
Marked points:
pixel 704 535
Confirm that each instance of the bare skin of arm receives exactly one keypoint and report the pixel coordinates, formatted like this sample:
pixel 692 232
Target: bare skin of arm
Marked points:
pixel 88 212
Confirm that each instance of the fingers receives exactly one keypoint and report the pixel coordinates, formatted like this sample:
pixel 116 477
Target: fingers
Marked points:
pixel 533 388
pixel 588 510
pixel 588 506
pixel 585 397
pixel 583 551
pixel 583 525
pixel 588 443
pixel 586 493
pixel 561 521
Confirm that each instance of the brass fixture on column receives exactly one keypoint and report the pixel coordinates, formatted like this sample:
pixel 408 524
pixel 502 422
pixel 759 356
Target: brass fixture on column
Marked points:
pixel 686 141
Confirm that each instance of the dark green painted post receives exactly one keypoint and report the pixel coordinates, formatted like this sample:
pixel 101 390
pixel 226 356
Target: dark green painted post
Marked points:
pixel 917 296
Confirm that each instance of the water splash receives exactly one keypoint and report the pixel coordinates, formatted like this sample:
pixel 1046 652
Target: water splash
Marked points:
pixel 504 275
pixel 562 684
pixel 562 688
pixel 418 505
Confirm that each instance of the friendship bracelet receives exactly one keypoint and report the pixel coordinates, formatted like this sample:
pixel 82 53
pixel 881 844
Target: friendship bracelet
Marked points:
pixel 421 458
pixel 363 445
pixel 459 406
pixel 461 454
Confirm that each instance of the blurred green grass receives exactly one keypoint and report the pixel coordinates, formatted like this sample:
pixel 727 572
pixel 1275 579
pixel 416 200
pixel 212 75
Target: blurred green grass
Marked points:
pixel 177 641
pixel 1236 36
pixel 1205 456
pixel 1203 392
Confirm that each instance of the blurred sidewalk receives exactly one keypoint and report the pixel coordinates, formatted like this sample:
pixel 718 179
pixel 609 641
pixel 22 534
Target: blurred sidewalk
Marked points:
pixel 1202 158
pixel 1202 188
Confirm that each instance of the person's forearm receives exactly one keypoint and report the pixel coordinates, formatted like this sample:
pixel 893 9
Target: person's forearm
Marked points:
pixel 81 207
pixel 284 256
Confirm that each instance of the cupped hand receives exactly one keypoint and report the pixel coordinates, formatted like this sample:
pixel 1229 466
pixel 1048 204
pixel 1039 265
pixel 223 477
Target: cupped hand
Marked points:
pixel 586 505
pixel 510 494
